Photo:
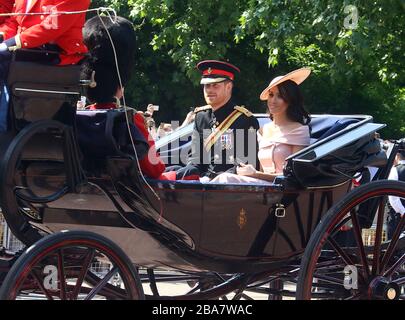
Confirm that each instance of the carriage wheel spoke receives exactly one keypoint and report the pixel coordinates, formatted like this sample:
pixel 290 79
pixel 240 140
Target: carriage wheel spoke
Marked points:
pixel 356 296
pixel 357 233
pixel 388 255
pixel 337 228
pixel 152 283
pixel 378 238
pixel 40 284
pixel 85 268
pixel 396 265
pixel 246 297
pixel 198 287
pixel 329 264
pixel 62 278
pixel 340 251
pixel 238 294
pixel 400 281
pixel 102 283
pixel 329 279
pixel 344 256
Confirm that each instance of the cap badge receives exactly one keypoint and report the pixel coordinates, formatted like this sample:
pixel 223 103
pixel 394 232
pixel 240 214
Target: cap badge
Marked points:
pixel 209 70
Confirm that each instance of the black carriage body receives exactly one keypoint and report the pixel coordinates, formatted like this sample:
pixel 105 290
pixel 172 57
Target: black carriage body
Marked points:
pixel 194 226
pixel 172 224
pixel 202 227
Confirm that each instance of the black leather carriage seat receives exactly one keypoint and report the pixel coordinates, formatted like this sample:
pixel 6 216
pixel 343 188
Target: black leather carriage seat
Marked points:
pixel 104 133
pixel 344 147
pixel 42 92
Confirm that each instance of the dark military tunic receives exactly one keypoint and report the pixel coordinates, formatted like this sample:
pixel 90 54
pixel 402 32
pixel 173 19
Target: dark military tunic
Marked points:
pixel 232 147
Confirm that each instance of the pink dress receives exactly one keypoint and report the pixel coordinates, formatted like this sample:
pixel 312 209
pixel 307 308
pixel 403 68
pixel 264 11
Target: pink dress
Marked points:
pixel 273 150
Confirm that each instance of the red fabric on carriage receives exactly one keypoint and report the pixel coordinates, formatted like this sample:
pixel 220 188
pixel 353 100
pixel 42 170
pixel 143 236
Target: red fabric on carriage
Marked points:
pixel 172 176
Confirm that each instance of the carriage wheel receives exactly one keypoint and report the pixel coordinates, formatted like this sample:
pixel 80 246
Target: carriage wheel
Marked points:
pixel 345 261
pixel 67 266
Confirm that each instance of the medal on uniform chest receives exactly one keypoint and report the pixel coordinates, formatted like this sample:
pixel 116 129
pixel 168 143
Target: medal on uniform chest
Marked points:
pixel 227 140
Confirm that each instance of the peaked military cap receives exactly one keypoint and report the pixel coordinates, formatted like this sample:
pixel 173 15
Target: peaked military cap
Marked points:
pixel 214 71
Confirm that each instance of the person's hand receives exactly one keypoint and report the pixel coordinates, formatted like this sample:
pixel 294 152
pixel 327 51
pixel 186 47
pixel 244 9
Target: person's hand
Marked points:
pixel 245 170
pixel 3 47
pixel 150 109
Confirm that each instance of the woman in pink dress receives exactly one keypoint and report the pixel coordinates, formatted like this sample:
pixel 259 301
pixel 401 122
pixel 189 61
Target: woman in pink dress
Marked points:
pixel 288 132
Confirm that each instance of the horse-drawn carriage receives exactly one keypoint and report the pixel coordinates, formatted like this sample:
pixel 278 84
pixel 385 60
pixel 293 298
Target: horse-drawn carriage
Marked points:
pixel 302 236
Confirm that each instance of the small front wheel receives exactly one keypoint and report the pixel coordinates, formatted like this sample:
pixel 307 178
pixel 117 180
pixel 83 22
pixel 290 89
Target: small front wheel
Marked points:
pixel 349 260
pixel 73 265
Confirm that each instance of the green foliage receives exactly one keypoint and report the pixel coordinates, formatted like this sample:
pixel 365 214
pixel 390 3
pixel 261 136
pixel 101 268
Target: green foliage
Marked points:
pixel 357 61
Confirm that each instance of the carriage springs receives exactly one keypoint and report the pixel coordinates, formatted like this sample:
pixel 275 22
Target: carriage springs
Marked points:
pixel 204 309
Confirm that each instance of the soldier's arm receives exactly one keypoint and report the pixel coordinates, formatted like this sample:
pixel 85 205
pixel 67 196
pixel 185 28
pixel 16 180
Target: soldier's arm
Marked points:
pixel 6 6
pixel 45 31
pixel 9 27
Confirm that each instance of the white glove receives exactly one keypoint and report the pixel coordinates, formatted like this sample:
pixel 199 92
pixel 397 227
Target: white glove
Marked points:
pixel 3 47
pixel 150 109
pixel 246 170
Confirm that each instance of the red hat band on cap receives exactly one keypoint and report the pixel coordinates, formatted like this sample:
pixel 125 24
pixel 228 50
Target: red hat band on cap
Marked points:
pixel 218 72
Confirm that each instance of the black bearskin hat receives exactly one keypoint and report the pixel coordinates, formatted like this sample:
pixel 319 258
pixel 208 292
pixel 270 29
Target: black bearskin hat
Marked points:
pixel 101 56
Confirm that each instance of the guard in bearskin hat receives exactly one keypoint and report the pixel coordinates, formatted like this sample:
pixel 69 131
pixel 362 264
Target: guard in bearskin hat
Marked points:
pixel 105 89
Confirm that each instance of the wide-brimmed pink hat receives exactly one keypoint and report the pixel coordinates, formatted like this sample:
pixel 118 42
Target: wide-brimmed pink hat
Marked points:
pixel 298 76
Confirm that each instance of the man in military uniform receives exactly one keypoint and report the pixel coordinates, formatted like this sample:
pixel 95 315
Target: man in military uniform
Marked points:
pixel 224 132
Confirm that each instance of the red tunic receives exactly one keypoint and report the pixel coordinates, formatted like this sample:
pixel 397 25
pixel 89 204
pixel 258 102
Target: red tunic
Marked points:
pixel 152 165
pixel 62 30
pixel 6 6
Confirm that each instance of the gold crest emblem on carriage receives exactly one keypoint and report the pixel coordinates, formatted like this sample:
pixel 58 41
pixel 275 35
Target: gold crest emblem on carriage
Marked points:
pixel 242 219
